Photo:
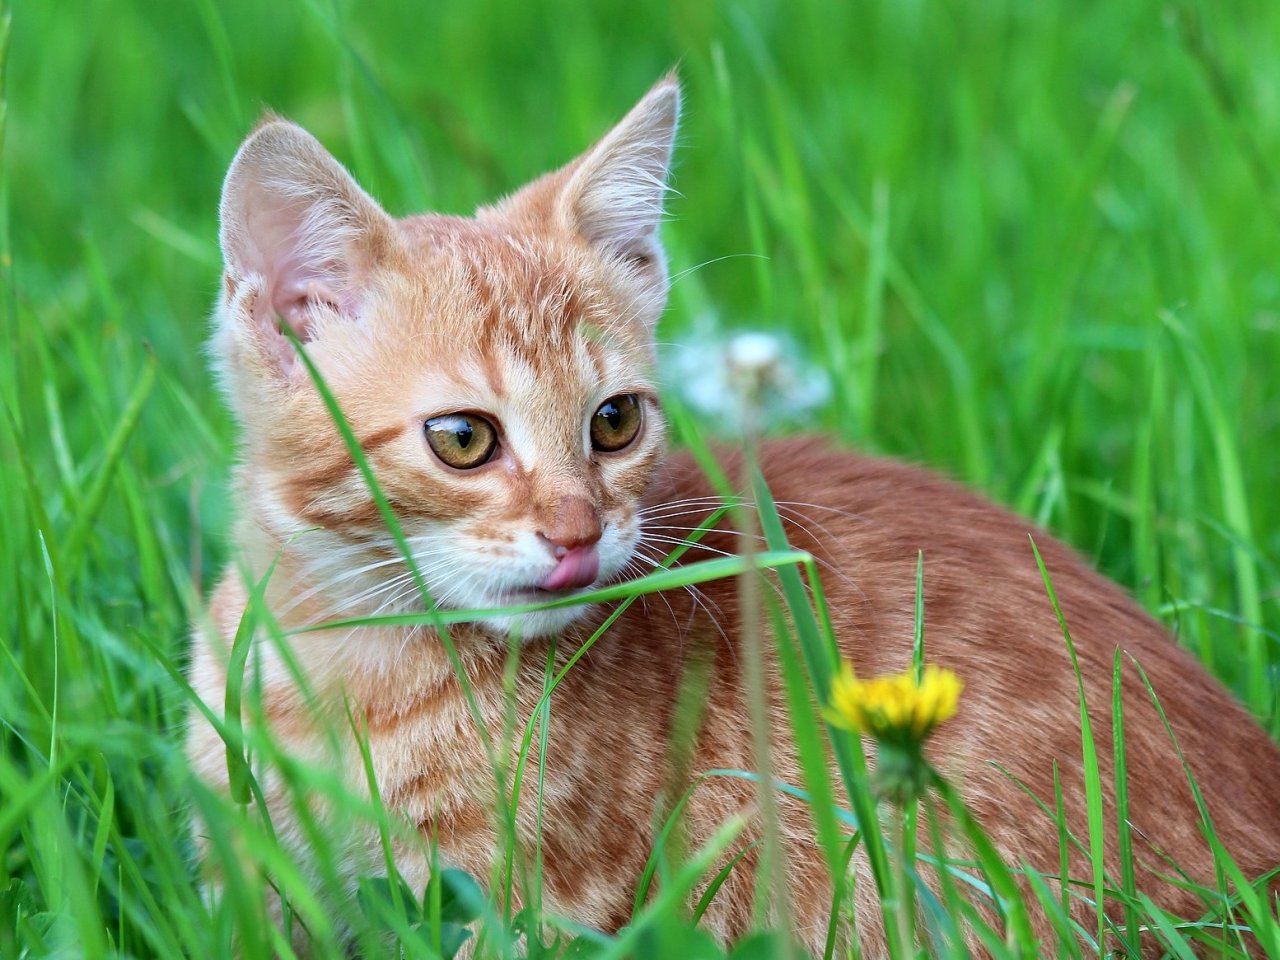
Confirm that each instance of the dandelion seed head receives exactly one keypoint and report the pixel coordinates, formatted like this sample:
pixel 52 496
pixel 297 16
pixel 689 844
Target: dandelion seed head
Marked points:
pixel 754 378
pixel 757 353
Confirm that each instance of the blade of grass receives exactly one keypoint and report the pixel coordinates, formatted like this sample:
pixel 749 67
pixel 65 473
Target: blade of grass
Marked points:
pixel 810 750
pixel 917 642
pixel 719 568
pixel 238 772
pixel 88 509
pixel 1019 937
pixel 950 893
pixel 1174 942
pixel 676 890
pixel 1064 851
pixel 819 654
pixel 1261 921
pixel 1058 912
pixel 1124 847
pixel 709 895
pixel 838 891
pixel 397 533
pixel 1236 514
pixel 1092 771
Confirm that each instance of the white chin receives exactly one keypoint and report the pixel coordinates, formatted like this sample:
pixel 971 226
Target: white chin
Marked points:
pixel 541 623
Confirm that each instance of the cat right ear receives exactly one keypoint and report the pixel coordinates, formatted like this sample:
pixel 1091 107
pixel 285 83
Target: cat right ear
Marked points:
pixel 299 240
pixel 615 193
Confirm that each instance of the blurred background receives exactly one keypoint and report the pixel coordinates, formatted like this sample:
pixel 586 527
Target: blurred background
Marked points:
pixel 1031 245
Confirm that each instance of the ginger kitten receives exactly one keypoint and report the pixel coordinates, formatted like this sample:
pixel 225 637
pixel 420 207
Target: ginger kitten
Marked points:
pixel 498 373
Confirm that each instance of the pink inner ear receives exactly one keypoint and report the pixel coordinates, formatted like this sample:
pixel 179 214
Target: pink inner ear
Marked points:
pixel 295 302
pixel 303 248
pixel 298 304
pixel 294 222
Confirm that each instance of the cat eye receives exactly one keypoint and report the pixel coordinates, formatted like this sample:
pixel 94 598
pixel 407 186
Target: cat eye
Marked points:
pixel 615 423
pixel 462 440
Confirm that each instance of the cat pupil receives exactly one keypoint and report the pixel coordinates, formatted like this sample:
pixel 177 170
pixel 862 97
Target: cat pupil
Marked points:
pixel 464 434
pixel 613 415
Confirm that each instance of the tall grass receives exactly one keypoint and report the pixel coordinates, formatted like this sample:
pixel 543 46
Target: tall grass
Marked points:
pixel 1032 246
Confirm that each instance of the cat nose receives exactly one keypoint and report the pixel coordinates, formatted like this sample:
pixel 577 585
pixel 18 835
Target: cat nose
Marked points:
pixel 574 524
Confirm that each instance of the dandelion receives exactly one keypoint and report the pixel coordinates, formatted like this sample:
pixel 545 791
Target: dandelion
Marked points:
pixel 900 714
pixel 894 708
pixel 754 364
pixel 749 380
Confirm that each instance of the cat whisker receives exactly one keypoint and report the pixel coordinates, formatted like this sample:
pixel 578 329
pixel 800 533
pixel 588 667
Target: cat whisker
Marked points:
pixel 341 577
pixel 676 277
pixel 700 600
pixel 849 514
pixel 685 528
pixel 348 605
pixel 786 510
pixel 825 563
pixel 716 500
pixel 698 511
pixel 689 544
pixel 633 565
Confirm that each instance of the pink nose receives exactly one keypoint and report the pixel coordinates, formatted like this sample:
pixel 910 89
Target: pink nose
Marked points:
pixel 578 567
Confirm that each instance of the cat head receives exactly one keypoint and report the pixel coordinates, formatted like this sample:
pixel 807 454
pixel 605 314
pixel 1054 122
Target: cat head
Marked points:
pixel 497 371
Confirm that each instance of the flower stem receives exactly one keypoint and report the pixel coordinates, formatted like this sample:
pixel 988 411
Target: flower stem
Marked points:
pixel 906 891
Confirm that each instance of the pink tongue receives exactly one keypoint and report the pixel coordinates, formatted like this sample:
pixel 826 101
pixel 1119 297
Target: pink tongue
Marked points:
pixel 577 568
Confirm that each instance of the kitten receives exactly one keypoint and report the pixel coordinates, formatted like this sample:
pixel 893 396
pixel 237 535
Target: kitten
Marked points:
pixel 498 373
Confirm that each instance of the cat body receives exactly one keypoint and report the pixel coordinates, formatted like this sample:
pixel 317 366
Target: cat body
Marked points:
pixel 498 375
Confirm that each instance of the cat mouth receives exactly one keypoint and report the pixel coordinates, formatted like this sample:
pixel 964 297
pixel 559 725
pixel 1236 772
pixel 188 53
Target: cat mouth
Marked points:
pixel 547 593
pixel 518 596
pixel 576 567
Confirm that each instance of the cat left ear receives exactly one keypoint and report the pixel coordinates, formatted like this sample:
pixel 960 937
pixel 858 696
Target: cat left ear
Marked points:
pixel 297 226
pixel 615 192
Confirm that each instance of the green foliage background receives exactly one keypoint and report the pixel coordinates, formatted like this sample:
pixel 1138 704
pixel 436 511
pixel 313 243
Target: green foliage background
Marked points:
pixel 1034 244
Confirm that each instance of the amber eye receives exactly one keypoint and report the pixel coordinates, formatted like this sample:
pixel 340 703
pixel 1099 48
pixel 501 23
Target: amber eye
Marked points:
pixel 462 440
pixel 615 423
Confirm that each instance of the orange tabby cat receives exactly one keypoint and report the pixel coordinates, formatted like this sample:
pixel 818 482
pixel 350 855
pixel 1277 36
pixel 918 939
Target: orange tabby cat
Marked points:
pixel 498 372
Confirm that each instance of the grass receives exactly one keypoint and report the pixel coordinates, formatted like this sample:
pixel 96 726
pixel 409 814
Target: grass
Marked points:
pixel 1031 245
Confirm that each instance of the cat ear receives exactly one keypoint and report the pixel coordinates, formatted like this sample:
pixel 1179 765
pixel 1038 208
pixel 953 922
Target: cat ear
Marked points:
pixel 297 233
pixel 614 195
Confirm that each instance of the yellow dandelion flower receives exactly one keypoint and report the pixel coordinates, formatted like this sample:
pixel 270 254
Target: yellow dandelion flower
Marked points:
pixel 900 714
pixel 894 708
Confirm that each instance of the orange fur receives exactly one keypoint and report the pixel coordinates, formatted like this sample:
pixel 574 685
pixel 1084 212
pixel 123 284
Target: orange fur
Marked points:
pixel 532 314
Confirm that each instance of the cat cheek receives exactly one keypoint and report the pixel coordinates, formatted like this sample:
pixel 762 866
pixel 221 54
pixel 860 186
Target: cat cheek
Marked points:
pixel 486 535
pixel 628 480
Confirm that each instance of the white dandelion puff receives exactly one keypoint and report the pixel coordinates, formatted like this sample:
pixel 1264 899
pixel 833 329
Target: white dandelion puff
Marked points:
pixel 753 379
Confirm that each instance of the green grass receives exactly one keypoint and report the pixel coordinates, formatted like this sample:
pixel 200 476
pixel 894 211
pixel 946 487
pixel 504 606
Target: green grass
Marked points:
pixel 1034 245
